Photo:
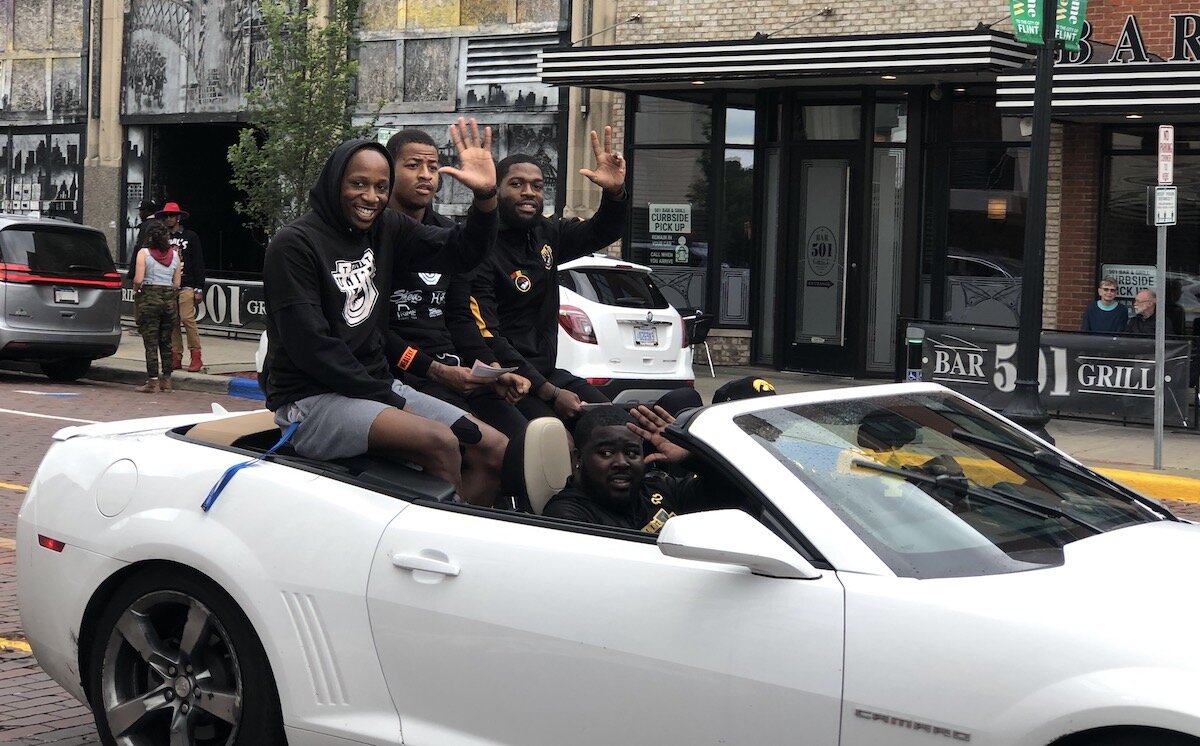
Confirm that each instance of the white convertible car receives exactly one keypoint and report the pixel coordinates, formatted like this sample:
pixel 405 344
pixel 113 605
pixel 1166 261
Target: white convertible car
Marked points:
pixel 885 565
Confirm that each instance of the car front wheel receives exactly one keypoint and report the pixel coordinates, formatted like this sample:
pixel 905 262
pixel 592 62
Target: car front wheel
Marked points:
pixel 175 662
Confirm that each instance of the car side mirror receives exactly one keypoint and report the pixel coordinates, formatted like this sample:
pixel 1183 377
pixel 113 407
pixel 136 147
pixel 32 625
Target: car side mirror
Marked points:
pixel 732 537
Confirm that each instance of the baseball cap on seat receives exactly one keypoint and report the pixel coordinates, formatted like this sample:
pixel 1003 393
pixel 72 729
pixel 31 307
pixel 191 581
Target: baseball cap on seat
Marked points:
pixel 743 388
pixel 171 208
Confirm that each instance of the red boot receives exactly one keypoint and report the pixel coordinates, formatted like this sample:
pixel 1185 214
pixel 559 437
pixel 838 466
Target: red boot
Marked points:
pixel 196 364
pixel 176 359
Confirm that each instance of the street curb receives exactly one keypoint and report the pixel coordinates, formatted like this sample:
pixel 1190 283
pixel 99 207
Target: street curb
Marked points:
pixel 111 370
pixel 1161 486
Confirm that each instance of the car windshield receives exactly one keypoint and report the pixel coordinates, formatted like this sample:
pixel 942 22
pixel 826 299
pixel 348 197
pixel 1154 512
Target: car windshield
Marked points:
pixel 614 287
pixel 938 487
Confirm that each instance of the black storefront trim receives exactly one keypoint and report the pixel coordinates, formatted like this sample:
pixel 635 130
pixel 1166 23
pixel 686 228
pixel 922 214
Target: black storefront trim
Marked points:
pixel 811 57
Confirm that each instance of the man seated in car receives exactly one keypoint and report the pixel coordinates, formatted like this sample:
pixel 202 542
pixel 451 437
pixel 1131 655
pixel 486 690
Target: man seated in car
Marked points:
pixel 514 292
pixel 326 281
pixel 610 484
pixel 419 342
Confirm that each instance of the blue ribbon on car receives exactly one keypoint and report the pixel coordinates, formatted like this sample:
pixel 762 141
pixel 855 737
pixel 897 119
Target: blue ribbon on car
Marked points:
pixel 215 492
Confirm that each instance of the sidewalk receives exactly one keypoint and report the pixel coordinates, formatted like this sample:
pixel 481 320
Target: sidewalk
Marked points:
pixel 1125 453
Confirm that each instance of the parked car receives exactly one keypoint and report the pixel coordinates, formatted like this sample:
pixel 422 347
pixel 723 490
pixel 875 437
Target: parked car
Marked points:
pixel 617 330
pixel 899 566
pixel 61 295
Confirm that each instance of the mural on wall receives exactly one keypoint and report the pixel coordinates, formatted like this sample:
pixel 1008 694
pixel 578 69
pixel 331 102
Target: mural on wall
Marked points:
pixel 40 174
pixel 41 64
pixel 186 56
pixel 136 164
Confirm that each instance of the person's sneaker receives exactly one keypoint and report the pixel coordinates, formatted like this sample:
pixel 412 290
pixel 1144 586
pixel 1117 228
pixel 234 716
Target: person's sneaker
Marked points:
pixel 149 387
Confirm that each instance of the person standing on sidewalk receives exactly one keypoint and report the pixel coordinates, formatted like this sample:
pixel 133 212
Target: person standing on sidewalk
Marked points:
pixel 1106 314
pixel 156 277
pixel 146 211
pixel 1145 303
pixel 187 245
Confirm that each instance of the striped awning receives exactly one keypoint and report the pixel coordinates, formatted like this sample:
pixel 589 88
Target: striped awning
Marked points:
pixel 944 54
pixel 1109 90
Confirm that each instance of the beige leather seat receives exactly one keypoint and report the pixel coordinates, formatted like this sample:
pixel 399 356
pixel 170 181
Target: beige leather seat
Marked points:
pixel 547 460
pixel 225 431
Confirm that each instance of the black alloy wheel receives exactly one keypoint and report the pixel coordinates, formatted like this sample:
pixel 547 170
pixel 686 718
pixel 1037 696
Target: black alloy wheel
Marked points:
pixel 174 662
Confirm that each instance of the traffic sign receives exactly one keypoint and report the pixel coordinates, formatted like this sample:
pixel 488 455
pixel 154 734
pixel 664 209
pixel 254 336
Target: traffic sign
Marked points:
pixel 1166 155
pixel 1164 205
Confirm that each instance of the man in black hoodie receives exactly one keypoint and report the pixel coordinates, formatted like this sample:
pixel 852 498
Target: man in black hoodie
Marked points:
pixel 419 342
pixel 515 290
pixel 326 281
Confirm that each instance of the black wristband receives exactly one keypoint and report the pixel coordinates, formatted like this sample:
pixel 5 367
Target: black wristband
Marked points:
pixel 481 196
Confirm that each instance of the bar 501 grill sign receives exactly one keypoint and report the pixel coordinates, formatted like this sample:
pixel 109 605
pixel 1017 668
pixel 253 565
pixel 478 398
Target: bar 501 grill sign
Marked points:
pixel 1086 374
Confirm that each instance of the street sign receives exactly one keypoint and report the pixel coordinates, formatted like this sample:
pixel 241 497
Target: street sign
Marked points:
pixel 1164 205
pixel 1166 157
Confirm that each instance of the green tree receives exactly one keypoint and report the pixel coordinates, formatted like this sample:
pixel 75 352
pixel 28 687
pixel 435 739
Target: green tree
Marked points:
pixel 300 107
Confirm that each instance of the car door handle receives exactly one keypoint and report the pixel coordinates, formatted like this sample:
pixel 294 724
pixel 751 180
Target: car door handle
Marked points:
pixel 426 564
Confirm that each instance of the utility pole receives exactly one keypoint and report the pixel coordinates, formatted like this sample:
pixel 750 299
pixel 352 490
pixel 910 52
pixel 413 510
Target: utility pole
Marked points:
pixel 1025 407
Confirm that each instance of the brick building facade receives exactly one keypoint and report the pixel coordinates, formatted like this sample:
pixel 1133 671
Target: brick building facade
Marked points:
pixel 933 115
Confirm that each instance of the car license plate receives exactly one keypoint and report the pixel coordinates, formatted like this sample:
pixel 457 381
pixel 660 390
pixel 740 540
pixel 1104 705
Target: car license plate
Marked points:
pixel 645 335
pixel 66 295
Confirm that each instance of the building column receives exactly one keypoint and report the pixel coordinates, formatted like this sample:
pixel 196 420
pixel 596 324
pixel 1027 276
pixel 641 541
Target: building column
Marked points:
pixel 105 137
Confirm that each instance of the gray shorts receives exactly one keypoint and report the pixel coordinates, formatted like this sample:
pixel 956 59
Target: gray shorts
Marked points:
pixel 336 426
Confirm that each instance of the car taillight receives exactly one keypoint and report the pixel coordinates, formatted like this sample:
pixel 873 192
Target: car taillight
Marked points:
pixel 683 326
pixel 21 273
pixel 576 323
pixel 599 381
pixel 53 545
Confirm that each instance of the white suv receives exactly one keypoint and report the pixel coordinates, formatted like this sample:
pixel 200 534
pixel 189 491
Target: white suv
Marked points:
pixel 616 330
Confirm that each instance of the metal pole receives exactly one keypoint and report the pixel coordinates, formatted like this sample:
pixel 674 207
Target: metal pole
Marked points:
pixel 1025 407
pixel 1160 334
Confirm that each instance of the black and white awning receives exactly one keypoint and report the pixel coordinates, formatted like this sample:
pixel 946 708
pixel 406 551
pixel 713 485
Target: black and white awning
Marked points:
pixel 944 54
pixel 1165 88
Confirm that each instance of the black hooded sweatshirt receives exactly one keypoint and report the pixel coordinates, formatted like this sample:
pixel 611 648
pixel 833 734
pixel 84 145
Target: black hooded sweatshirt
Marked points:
pixel 326 286
pixel 659 497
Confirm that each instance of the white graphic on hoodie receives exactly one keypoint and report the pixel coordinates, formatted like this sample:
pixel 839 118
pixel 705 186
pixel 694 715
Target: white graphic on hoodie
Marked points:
pixel 356 280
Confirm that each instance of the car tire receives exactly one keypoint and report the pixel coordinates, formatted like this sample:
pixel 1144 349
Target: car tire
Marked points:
pixel 171 651
pixel 71 369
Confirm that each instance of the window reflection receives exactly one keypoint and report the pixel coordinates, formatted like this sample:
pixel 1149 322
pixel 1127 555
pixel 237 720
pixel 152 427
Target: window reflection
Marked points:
pixel 669 221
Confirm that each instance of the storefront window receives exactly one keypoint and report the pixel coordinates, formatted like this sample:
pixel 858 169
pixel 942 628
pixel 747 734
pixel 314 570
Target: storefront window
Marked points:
pixel 840 122
pixel 739 126
pixel 662 121
pixel 987 181
pixel 1128 246
pixel 891 122
pixel 737 236
pixel 669 220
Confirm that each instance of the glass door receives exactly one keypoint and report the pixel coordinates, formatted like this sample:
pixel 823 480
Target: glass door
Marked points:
pixel 821 267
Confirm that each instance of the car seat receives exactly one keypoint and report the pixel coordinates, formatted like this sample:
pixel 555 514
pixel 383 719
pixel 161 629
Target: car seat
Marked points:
pixel 545 461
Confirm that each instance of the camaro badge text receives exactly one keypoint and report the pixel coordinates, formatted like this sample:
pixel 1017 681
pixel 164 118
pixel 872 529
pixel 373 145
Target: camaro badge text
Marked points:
pixel 917 725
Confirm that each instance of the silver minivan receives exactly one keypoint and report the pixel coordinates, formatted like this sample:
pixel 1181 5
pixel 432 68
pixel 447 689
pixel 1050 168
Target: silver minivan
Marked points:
pixel 60 294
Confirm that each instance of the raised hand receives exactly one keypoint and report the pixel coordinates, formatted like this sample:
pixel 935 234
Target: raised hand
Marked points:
pixel 476 170
pixel 609 173
pixel 651 423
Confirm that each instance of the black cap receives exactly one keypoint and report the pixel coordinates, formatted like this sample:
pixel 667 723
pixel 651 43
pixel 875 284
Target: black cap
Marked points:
pixel 148 205
pixel 743 388
pixel 677 400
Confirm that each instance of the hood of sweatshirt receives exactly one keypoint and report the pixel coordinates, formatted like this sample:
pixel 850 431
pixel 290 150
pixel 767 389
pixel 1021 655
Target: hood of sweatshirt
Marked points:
pixel 325 197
